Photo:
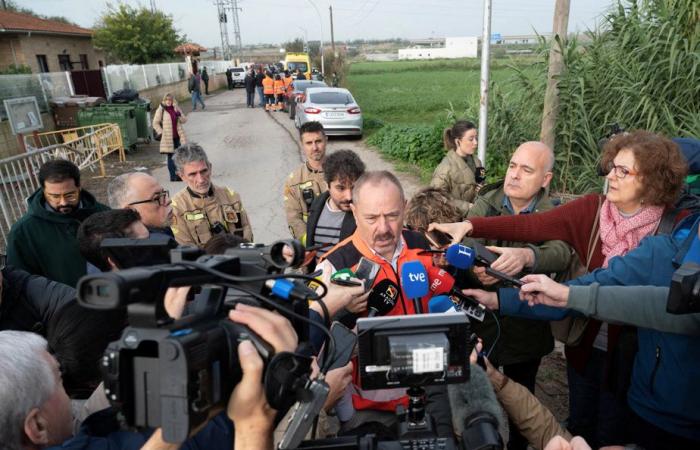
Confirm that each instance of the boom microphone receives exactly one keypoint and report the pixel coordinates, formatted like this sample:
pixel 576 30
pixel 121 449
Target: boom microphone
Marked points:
pixel 382 298
pixel 463 257
pixel 476 413
pixel 414 280
pixel 442 285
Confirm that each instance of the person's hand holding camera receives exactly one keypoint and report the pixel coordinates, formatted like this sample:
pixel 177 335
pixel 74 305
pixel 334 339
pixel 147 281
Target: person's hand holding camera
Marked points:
pixel 252 416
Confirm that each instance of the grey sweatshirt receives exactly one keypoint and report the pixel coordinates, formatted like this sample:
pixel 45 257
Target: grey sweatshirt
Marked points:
pixel 641 306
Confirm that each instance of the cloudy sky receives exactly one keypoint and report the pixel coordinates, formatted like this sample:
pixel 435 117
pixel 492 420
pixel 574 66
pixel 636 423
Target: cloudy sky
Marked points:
pixel 276 21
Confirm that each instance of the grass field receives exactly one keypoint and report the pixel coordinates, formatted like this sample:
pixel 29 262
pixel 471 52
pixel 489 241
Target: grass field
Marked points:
pixel 417 92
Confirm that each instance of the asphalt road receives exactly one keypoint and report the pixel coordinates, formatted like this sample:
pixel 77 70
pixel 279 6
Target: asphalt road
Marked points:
pixel 252 152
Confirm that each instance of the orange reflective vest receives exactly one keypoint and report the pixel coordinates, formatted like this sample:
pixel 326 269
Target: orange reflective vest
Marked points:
pixel 279 87
pixel 268 86
pixel 347 254
pixel 288 84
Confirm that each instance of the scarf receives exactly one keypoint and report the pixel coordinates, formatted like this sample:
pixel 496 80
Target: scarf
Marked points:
pixel 173 118
pixel 620 234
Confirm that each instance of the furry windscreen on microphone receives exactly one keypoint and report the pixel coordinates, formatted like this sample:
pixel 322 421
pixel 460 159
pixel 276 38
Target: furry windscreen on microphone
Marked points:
pixel 472 397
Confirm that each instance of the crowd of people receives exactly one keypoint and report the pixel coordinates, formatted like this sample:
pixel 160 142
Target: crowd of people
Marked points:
pixel 595 271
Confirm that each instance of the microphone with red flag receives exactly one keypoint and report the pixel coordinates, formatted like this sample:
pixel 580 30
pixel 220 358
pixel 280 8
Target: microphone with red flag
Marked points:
pixel 442 283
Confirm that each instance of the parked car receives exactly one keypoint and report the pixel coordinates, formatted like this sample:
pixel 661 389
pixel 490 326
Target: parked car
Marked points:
pixel 299 93
pixel 238 75
pixel 335 108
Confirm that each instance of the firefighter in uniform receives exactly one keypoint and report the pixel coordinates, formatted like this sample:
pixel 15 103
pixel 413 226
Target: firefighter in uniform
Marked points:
pixel 306 182
pixel 202 210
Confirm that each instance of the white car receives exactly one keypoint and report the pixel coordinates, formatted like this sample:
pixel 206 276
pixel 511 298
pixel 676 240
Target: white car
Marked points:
pixel 335 108
pixel 238 76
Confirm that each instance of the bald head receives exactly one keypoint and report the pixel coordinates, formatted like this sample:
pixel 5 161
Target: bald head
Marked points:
pixel 529 170
pixel 140 191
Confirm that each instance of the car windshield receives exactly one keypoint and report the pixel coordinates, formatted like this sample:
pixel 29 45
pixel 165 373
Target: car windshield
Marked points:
pixel 294 66
pixel 237 69
pixel 301 85
pixel 331 98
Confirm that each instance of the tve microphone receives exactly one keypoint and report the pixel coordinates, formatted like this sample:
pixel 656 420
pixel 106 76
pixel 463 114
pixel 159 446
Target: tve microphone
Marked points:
pixel 414 280
pixel 463 257
pixel 476 411
pixel 442 284
pixel 382 298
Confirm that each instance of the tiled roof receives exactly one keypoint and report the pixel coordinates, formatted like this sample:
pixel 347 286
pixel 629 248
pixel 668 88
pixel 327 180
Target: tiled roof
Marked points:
pixel 12 21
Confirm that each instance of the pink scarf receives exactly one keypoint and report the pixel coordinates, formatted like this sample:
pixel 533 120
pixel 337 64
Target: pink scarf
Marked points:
pixel 620 234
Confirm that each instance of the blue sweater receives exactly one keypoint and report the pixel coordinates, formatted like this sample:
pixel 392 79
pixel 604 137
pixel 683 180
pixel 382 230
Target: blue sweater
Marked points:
pixel 667 366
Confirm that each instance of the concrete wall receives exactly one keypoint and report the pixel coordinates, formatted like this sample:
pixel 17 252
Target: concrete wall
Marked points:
pixel 27 46
pixel 8 141
pixel 179 90
pixel 455 47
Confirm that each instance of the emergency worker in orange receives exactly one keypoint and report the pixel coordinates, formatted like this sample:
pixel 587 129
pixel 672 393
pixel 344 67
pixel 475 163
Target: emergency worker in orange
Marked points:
pixel 279 88
pixel 378 204
pixel 269 91
pixel 288 85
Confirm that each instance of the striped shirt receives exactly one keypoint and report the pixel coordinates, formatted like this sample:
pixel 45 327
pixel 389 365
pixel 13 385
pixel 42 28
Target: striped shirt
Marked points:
pixel 328 227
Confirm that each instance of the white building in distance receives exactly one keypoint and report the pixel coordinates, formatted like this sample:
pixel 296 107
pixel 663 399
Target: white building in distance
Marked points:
pixel 455 47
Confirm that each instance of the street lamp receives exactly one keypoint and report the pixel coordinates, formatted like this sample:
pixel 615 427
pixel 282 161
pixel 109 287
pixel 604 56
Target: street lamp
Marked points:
pixel 320 21
pixel 306 38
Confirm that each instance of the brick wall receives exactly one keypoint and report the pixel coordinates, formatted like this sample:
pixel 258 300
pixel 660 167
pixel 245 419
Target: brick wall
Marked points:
pixel 52 46
pixel 8 141
pixel 7 55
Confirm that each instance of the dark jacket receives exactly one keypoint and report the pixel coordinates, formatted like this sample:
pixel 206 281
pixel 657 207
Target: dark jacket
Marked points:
pixel 249 81
pixel 101 431
pixel 44 242
pixel 346 229
pixel 205 76
pixel 29 302
pixel 259 77
pixel 663 390
pixel 521 339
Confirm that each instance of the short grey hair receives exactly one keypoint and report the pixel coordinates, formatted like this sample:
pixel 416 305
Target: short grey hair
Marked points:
pixel 119 190
pixel 189 153
pixel 376 177
pixel 27 381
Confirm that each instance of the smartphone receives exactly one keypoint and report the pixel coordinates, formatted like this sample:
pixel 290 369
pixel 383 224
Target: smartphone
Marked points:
pixel 483 254
pixel 438 239
pixel 345 341
pixel 341 282
pixel 367 271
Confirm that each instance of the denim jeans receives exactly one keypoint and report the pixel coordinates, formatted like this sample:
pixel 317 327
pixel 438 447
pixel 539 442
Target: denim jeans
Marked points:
pixel 171 164
pixel 261 97
pixel 595 413
pixel 196 96
pixel 250 98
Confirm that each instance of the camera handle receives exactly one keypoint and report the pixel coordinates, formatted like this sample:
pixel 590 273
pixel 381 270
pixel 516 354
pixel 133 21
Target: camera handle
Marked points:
pixel 415 423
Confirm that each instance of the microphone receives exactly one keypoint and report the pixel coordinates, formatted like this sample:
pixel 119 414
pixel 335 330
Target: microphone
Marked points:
pixel 463 257
pixel 382 298
pixel 414 279
pixel 476 412
pixel 442 285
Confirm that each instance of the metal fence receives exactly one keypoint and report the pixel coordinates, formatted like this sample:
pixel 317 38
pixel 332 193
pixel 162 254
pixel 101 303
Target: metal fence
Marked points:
pixel 86 147
pixel 139 77
pixel 43 86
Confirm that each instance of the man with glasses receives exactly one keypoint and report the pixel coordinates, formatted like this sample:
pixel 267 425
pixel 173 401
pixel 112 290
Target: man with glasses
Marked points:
pixel 43 241
pixel 142 193
pixel 203 210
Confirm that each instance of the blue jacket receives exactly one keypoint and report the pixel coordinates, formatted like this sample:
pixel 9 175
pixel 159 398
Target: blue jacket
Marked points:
pixel 100 431
pixel 667 366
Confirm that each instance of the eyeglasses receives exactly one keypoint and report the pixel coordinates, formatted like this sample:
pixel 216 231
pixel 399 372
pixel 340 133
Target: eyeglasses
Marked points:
pixel 160 198
pixel 620 171
pixel 3 261
pixel 69 196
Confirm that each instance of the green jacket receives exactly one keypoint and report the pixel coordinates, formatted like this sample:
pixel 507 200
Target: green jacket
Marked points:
pixel 454 175
pixel 44 242
pixel 521 339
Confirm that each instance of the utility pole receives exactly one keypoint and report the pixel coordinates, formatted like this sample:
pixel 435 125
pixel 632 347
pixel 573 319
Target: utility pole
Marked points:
pixel 223 29
pixel 484 89
pixel 236 27
pixel 4 5
pixel 335 55
pixel 153 5
pixel 556 65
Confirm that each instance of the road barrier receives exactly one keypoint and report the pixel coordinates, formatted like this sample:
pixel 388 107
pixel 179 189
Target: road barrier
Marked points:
pixel 86 147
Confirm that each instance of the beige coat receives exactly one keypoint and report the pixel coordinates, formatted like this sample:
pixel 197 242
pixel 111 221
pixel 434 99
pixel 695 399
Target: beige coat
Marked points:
pixel 165 127
pixel 457 179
